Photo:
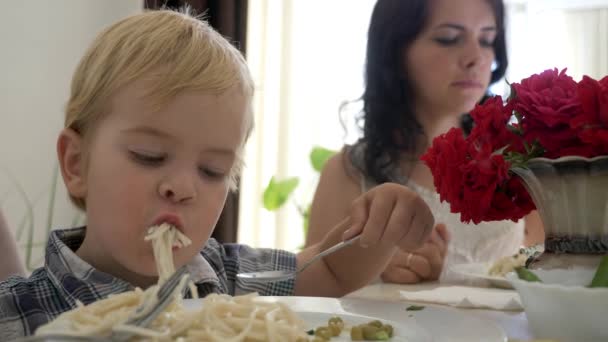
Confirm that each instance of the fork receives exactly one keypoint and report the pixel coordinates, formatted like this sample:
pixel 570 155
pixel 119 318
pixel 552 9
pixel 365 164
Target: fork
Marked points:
pixel 140 319
pixel 279 275
pixel 164 297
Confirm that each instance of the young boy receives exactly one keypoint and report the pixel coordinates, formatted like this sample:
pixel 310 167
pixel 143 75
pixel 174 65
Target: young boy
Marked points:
pixel 155 126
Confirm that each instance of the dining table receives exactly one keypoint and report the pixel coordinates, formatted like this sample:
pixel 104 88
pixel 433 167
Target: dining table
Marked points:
pixel 390 300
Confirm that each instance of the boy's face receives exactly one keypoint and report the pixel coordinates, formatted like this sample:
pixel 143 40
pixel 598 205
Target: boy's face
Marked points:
pixel 144 168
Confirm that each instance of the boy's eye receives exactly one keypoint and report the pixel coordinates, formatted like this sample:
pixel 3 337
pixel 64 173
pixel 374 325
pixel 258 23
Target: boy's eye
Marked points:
pixel 147 158
pixel 213 174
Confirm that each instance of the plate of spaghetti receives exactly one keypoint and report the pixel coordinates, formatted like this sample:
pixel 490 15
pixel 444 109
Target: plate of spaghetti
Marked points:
pixel 306 325
pixel 217 317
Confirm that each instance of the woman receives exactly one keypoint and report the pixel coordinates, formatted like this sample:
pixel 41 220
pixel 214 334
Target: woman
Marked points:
pixel 10 263
pixel 428 61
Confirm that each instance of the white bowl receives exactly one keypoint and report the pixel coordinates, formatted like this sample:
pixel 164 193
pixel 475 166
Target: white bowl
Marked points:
pixel 562 307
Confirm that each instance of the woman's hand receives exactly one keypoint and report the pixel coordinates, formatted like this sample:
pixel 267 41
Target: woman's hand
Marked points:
pixel 388 218
pixel 422 264
pixel 391 215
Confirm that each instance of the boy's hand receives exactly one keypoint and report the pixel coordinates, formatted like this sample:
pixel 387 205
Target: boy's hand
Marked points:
pixel 392 215
pixel 422 264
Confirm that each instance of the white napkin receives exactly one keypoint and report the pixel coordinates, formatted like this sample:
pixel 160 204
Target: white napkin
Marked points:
pixel 468 297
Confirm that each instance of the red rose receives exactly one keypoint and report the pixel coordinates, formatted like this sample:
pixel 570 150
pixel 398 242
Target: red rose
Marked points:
pixel 491 124
pixel 548 98
pixel 547 102
pixel 511 202
pixel 558 142
pixel 549 109
pixel 444 157
pixel 591 125
pixel 482 175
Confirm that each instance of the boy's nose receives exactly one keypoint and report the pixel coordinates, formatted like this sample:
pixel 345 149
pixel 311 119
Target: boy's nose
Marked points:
pixel 177 190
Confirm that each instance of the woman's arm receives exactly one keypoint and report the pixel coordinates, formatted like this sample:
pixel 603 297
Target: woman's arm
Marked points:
pixel 389 216
pixel 334 194
pixel 10 263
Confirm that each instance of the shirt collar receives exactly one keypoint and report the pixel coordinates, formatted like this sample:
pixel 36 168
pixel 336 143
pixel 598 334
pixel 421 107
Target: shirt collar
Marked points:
pixel 200 270
pixel 79 281
pixel 76 278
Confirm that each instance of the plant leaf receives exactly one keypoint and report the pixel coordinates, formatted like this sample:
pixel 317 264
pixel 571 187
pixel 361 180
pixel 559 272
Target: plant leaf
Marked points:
pixel 415 308
pixel 277 192
pixel 319 156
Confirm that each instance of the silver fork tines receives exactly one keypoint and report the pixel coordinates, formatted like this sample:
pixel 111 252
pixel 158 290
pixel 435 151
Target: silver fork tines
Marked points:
pixel 164 296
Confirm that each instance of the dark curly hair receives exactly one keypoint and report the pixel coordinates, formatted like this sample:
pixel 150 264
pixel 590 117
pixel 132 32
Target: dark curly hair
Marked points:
pixel 388 122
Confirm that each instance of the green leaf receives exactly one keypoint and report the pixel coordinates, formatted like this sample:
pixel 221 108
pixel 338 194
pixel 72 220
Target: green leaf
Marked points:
pixel 277 192
pixel 319 156
pixel 414 308
pixel 527 275
pixel 600 279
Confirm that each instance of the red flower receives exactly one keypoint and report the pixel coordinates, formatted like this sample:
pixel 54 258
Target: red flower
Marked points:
pixel 547 102
pixel 591 124
pixel 483 174
pixel 549 115
pixel 444 157
pixel 491 123
pixel 511 202
pixel 468 175
pixel 547 99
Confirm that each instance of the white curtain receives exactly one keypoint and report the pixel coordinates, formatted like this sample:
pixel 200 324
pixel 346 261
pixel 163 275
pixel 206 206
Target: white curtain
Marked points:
pixel 306 58
pixel 563 34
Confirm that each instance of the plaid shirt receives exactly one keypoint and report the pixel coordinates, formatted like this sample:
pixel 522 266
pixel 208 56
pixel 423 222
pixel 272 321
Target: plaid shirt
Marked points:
pixel 27 303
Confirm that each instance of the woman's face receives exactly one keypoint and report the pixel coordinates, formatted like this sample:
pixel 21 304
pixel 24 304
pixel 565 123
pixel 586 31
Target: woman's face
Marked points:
pixel 449 63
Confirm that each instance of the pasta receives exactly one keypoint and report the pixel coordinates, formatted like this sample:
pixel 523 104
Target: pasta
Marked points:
pixel 220 318
pixel 507 264
pixel 164 238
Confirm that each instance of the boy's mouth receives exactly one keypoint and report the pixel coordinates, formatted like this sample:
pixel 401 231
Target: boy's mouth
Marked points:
pixel 171 219
pixel 175 222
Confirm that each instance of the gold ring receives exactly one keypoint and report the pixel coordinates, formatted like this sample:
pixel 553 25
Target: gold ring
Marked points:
pixel 409 259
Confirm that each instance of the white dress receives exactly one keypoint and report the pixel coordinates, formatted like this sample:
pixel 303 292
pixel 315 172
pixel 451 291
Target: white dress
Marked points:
pixel 471 243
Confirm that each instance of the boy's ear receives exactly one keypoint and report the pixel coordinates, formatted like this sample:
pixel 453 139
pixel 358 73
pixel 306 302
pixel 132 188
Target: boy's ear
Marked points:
pixel 71 154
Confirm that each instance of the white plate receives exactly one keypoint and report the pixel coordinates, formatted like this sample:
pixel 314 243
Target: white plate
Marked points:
pixel 445 324
pixel 479 272
pixel 436 324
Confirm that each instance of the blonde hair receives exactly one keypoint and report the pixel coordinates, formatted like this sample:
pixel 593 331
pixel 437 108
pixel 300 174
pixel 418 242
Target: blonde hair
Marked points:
pixel 171 51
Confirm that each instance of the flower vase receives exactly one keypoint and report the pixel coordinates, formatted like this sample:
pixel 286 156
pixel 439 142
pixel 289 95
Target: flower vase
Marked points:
pixel 571 196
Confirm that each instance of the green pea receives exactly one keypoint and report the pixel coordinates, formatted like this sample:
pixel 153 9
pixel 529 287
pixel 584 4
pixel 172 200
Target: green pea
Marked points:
pixel 337 321
pixel 600 279
pixel 335 329
pixel 356 333
pixel 381 335
pixel 375 323
pixel 527 275
pixel 389 329
pixel 370 331
pixel 323 332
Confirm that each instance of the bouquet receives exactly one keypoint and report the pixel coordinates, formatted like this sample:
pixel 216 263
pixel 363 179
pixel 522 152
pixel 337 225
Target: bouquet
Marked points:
pixel 547 115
